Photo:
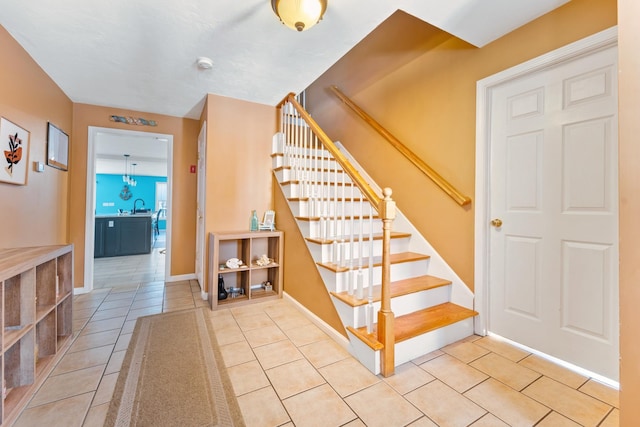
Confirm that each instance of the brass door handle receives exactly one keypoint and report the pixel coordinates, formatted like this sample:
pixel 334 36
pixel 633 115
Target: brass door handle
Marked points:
pixel 497 223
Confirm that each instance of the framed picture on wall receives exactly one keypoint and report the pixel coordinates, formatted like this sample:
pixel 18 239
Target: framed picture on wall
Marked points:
pixel 15 149
pixel 57 147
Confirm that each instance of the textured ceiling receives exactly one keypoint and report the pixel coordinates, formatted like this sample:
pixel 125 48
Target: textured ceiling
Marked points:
pixel 141 54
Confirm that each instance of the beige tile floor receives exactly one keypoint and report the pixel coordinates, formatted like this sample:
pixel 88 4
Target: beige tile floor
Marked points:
pixel 287 372
pixel 119 271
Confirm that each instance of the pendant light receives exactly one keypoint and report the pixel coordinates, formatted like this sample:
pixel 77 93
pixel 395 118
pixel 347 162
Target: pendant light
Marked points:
pixel 128 178
pixel 125 176
pixel 299 15
pixel 132 180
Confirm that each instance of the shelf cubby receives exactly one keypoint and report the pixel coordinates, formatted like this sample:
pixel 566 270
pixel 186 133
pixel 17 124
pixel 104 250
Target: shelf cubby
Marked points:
pixel 250 277
pixel 64 321
pixel 36 286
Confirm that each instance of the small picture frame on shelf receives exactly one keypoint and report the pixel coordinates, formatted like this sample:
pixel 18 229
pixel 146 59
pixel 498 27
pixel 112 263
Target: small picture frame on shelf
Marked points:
pixel 269 221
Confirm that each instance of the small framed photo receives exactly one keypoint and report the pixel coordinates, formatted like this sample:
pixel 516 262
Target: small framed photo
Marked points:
pixel 15 149
pixel 57 147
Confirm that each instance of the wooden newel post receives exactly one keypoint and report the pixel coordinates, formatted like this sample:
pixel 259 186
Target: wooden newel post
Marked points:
pixel 387 211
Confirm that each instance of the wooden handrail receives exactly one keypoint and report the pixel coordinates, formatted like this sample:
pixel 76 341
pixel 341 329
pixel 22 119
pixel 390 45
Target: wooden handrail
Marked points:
pixel 366 189
pixel 456 195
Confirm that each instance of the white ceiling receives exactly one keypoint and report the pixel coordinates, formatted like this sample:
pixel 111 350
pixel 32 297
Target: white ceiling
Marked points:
pixel 141 54
pixel 149 151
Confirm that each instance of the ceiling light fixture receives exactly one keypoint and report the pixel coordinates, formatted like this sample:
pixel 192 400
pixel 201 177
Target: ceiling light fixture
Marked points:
pixel 299 15
pixel 127 178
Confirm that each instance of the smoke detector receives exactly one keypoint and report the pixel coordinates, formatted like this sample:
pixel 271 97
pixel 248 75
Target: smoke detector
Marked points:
pixel 204 63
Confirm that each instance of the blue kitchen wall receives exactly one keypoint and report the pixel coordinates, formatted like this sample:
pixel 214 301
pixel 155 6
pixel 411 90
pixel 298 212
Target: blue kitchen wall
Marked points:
pixel 110 195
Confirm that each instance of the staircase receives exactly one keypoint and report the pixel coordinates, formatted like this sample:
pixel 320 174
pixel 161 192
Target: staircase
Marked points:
pixel 427 305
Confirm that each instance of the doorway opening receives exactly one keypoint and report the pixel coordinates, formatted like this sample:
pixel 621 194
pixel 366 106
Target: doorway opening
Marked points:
pixel 152 155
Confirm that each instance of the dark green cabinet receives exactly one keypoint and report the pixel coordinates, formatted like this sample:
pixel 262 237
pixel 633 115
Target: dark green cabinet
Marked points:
pixel 122 235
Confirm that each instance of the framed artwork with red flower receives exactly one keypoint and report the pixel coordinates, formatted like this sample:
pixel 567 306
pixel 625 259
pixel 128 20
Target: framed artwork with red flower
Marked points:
pixel 14 146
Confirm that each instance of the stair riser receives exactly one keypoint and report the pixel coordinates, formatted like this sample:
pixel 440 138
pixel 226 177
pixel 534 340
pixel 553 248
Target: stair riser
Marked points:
pixel 400 305
pixel 338 282
pixel 369 358
pixel 432 341
pixel 316 206
pixel 333 252
pixel 406 304
pixel 314 228
pixel 309 175
pixel 292 151
pixel 280 161
pixel 299 189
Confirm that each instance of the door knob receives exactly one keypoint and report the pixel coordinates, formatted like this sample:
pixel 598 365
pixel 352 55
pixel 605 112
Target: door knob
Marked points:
pixel 497 223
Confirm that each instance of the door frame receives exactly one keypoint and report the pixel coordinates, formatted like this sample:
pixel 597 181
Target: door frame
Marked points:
pixel 89 234
pixel 484 91
pixel 201 238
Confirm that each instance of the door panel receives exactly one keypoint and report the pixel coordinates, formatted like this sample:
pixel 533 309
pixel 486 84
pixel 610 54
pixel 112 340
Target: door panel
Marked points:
pixel 553 261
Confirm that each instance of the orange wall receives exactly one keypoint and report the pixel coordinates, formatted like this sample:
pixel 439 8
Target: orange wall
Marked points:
pixel 629 129
pixel 185 148
pixel 238 166
pixel 430 105
pixel 34 214
pixel 301 277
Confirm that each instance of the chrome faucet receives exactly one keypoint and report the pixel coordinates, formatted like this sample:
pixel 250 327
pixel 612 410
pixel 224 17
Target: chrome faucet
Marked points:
pixel 134 204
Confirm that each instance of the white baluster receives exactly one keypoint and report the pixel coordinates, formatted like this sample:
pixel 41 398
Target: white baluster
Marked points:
pixel 360 290
pixel 351 248
pixel 343 221
pixel 360 242
pixel 369 310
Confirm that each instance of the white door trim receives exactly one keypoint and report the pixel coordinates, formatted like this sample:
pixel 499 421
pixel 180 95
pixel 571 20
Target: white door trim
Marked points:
pixel 89 234
pixel 484 89
pixel 201 210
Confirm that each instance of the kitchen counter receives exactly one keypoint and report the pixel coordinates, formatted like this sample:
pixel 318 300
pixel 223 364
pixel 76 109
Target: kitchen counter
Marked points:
pixel 125 215
pixel 122 234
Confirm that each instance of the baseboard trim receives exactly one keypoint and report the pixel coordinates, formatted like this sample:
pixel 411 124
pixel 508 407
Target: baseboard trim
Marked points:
pixel 191 276
pixel 335 335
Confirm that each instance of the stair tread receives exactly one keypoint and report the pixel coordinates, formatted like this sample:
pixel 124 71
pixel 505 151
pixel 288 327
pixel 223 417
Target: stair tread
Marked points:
pixel 298 181
pixel 377 261
pixel 346 218
pixel 376 236
pixel 339 199
pixel 313 169
pixel 417 323
pixel 398 288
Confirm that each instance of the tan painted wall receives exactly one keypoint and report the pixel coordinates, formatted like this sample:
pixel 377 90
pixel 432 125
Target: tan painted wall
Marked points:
pixel 429 104
pixel 301 277
pixel 239 177
pixel 629 129
pixel 185 148
pixel 34 214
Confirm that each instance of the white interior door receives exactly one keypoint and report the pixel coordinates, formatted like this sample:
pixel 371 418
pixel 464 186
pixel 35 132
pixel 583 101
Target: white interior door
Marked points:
pixel 553 268
pixel 201 180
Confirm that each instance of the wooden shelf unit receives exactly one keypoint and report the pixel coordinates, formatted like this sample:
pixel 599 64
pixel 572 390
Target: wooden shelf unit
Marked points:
pixel 244 284
pixel 36 287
